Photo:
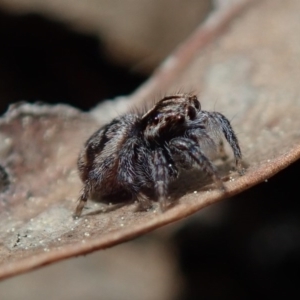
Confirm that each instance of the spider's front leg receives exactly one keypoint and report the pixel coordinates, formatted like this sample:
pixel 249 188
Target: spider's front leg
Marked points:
pixel 161 177
pixel 187 153
pixel 218 123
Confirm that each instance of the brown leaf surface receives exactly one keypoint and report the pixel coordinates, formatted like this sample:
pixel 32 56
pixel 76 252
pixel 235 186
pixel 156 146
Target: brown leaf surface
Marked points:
pixel 251 74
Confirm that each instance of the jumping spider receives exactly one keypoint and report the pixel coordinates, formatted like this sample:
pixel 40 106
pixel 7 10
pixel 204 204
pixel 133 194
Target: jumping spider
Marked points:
pixel 134 155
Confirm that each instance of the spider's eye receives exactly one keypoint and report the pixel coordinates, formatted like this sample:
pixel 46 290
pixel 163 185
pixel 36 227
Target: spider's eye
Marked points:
pixel 155 120
pixel 191 112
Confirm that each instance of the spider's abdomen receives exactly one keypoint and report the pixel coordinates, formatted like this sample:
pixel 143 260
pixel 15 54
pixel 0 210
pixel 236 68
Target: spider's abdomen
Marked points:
pixel 98 162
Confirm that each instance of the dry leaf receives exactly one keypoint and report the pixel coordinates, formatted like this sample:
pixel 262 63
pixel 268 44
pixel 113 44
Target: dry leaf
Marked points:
pixel 251 74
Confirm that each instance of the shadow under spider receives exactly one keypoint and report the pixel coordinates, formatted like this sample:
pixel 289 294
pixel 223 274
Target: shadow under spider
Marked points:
pixel 188 182
pixel 197 180
pixel 106 209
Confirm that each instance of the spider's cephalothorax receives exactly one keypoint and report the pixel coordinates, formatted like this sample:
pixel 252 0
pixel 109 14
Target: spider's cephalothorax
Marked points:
pixel 135 154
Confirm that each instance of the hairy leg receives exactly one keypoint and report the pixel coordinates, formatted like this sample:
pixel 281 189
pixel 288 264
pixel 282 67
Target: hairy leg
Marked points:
pixel 189 153
pixel 218 123
pixel 160 177
pixel 83 199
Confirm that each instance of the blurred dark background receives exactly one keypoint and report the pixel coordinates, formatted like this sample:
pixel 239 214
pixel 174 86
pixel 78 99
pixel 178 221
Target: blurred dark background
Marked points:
pixel 244 247
pixel 251 250
pixel 42 60
pixel 84 52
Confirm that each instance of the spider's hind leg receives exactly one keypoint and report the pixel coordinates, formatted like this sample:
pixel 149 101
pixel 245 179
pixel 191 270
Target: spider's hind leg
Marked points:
pixel 82 199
